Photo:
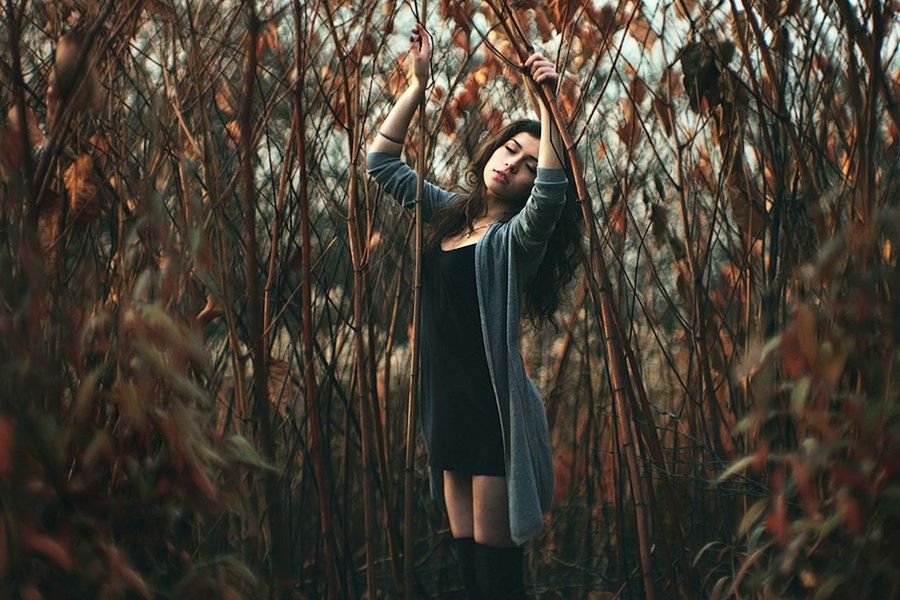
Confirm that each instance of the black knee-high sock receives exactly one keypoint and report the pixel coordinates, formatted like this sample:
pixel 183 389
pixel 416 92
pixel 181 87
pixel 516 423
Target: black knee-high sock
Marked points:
pixel 465 554
pixel 501 572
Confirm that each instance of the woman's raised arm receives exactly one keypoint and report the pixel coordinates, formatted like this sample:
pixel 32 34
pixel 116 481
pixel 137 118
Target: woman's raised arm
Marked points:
pixel 532 226
pixel 383 159
pixel 392 131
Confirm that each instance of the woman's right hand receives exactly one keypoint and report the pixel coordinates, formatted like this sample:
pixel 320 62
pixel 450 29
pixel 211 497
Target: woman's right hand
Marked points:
pixel 420 51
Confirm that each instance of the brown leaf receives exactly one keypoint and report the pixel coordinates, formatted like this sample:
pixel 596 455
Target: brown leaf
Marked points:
pixel 641 31
pixel 630 133
pixel 225 99
pixel 849 508
pixel 616 217
pixel 36 137
pixel 684 8
pixel 119 566
pixel 638 90
pixel 233 133
pixel 49 547
pixel 10 150
pixel 161 8
pixel 84 202
pixel 461 39
pixel 544 27
pixel 209 312
pixel 66 78
pixel 661 108
pixel 281 392
pixel 268 38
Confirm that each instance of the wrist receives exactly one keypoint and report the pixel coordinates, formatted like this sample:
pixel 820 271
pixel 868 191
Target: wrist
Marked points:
pixel 418 83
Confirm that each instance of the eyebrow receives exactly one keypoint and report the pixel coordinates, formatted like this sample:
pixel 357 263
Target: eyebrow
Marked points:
pixel 520 146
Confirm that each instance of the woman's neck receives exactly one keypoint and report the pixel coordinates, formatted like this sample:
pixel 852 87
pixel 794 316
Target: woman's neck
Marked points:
pixel 495 209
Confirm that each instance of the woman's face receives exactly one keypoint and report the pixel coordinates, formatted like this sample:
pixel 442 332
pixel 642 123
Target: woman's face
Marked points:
pixel 509 172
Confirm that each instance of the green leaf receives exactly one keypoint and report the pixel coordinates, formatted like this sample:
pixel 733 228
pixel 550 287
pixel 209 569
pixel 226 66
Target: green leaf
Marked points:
pixel 735 468
pixel 752 515
pixel 703 551
pixel 240 450
pixel 798 395
pixel 87 392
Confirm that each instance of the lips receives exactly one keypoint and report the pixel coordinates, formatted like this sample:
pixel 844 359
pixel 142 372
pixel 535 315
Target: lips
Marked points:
pixel 500 176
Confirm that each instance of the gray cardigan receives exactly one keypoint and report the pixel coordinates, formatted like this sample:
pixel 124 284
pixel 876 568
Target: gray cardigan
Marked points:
pixel 506 258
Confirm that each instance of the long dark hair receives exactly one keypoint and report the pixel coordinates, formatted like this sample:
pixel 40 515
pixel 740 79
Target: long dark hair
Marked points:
pixel 545 290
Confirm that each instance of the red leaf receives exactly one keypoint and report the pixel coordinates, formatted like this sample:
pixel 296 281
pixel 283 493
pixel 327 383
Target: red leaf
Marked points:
pixel 776 522
pixel 47 546
pixel 849 507
pixel 617 217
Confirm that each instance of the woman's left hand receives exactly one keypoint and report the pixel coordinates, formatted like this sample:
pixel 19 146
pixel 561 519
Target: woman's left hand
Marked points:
pixel 542 70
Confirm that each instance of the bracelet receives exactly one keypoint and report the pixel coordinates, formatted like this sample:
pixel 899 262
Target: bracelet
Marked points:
pixel 389 138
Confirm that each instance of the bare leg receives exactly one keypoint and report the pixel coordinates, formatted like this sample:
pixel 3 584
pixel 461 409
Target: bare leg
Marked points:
pixel 499 562
pixel 458 497
pixel 491 518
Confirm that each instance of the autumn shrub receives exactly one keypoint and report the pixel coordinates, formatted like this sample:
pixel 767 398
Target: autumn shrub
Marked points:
pixel 114 476
pixel 828 433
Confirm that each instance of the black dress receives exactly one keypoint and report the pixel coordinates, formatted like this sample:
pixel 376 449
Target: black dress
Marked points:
pixel 466 434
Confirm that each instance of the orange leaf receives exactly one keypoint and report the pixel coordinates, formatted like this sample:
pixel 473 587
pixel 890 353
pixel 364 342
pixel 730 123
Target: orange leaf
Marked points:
pixel 233 131
pixel 36 137
pixel 461 39
pixel 79 180
pixel 268 38
pixel 641 31
pixel 225 99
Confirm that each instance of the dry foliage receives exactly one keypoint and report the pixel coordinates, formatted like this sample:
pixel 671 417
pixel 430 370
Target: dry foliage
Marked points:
pixel 185 412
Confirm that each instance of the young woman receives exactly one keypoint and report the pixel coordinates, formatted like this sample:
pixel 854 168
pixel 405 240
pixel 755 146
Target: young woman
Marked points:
pixel 506 248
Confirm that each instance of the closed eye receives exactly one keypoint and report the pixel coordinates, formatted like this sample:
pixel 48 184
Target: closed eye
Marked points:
pixel 512 150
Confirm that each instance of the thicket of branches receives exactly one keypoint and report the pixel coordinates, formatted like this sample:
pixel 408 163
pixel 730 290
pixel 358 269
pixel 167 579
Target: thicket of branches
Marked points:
pixel 205 306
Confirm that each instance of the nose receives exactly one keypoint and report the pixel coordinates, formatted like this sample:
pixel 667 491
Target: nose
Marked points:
pixel 512 167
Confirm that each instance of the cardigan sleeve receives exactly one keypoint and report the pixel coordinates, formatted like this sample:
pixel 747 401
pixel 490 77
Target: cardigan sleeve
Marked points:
pixel 534 224
pixel 399 180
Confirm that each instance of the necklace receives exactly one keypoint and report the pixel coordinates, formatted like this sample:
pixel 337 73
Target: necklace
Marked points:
pixel 474 229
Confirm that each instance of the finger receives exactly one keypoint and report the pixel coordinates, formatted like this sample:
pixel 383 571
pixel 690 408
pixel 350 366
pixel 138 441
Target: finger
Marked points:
pixel 546 76
pixel 548 79
pixel 543 71
pixel 541 64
